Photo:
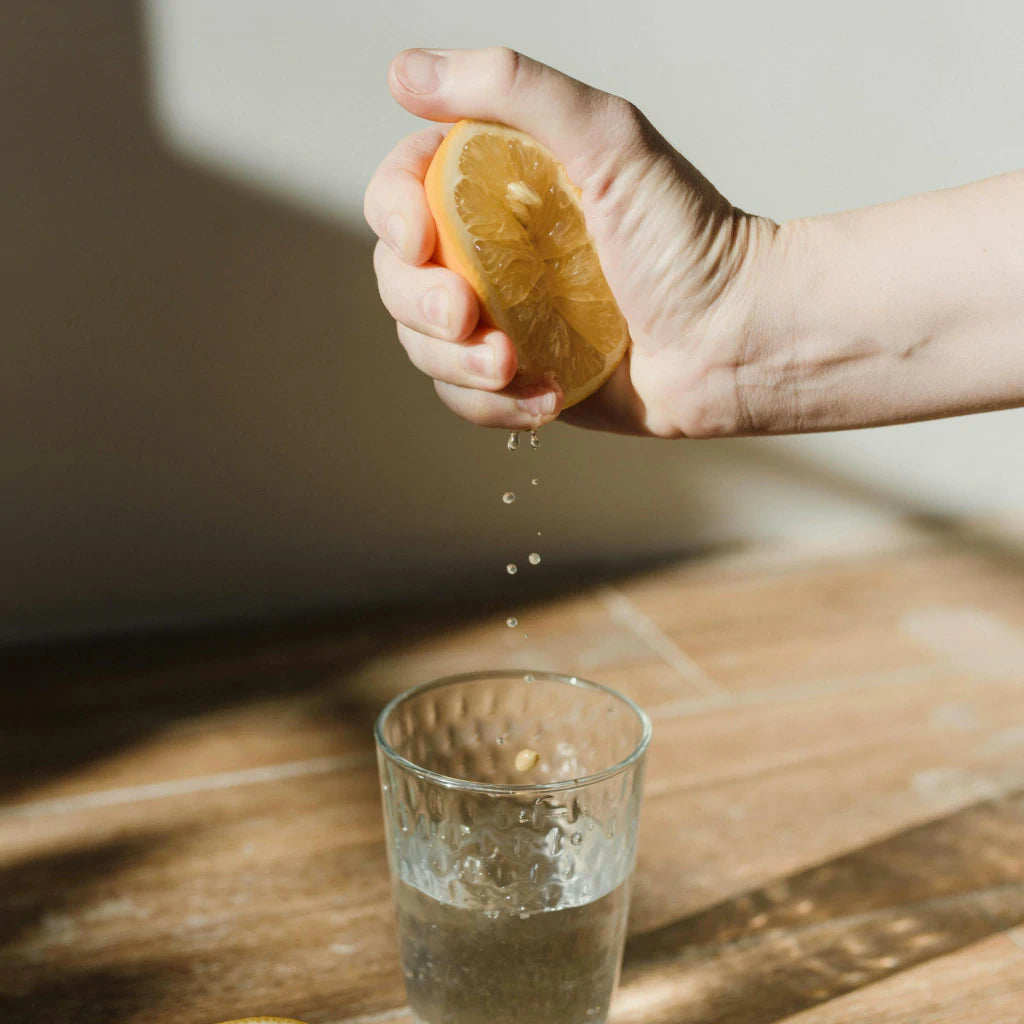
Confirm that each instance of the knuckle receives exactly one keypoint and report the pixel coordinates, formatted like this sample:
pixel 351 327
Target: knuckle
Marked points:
pixel 507 67
pixel 466 403
pixel 481 410
pixel 404 339
pixel 627 118
pixel 423 145
pixel 420 354
pixel 451 399
pixel 465 312
pixel 630 138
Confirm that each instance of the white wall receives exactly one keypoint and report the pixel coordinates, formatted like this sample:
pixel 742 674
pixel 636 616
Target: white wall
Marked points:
pixel 204 412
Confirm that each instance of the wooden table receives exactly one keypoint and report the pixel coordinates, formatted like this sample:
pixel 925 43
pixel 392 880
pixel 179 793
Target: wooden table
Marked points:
pixel 833 829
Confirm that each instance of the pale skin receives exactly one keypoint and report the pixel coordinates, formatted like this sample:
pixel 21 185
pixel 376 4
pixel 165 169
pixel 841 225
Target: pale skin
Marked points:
pixel 904 311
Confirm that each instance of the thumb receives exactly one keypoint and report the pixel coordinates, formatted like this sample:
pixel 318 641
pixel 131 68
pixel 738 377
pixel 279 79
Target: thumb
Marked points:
pixel 584 127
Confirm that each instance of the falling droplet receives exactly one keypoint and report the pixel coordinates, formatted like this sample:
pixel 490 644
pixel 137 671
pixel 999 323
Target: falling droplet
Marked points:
pixel 513 441
pixel 534 439
pixel 500 740
pixel 511 622
pixel 508 497
pixel 511 568
pixel 533 558
pixel 535 481
pixel 528 678
pixel 538 533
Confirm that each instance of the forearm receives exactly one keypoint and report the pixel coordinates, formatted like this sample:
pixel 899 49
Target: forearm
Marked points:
pixel 904 311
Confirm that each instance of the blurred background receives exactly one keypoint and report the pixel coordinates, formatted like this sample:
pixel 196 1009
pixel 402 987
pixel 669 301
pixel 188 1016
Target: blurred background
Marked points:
pixel 204 413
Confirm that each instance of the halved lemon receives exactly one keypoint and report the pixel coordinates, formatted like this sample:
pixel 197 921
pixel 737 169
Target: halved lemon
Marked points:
pixel 510 222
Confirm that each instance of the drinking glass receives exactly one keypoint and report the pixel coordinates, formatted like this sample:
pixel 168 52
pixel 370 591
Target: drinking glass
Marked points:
pixel 511 801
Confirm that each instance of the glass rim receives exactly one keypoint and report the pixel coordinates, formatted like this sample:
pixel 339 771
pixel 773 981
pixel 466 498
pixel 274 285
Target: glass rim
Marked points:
pixel 510 789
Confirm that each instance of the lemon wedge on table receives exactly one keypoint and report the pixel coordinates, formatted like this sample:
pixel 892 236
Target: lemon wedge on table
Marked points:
pixel 510 222
pixel 263 1020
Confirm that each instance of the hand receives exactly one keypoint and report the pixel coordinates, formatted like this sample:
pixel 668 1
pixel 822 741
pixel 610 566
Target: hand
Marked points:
pixel 680 260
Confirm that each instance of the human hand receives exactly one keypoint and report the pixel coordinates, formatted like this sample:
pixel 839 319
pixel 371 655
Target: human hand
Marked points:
pixel 680 260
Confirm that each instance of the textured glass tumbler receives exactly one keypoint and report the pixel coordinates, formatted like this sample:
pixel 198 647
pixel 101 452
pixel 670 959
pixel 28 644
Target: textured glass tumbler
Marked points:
pixel 511 802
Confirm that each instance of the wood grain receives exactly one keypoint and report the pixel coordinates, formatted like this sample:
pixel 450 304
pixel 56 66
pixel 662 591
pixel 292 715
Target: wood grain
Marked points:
pixel 833 830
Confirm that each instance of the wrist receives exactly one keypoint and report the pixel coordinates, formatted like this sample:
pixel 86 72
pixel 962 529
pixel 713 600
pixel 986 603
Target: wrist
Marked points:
pixel 740 332
pixel 797 360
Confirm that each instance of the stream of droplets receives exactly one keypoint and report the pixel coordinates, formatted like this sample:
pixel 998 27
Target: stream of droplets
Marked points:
pixel 512 444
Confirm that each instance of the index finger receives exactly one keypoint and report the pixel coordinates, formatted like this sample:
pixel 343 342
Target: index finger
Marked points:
pixel 395 205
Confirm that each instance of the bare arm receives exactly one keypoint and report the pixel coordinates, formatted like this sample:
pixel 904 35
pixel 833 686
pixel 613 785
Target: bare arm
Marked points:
pixel 904 311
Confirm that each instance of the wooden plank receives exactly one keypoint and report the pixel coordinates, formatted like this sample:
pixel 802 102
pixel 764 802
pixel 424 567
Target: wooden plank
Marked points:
pixel 783 778
pixel 842 620
pixel 836 927
pixel 702 742
pixel 980 984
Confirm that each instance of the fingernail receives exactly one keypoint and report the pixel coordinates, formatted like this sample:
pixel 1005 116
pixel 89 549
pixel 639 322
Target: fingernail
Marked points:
pixel 538 405
pixel 397 232
pixel 435 306
pixel 420 71
pixel 478 360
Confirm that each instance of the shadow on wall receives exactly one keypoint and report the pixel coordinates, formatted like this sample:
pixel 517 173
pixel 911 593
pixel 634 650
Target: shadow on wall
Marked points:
pixel 190 386
pixel 206 415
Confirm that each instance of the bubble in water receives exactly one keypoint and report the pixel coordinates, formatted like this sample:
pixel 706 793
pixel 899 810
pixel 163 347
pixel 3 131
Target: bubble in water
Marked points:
pixel 528 678
pixel 500 740
pixel 538 533
pixel 533 558
pixel 524 916
pixel 511 622
pixel 534 439
pixel 508 497
pixel 513 441
pixel 577 838
pixel 492 914
pixel 535 481
pixel 511 568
